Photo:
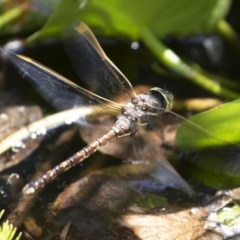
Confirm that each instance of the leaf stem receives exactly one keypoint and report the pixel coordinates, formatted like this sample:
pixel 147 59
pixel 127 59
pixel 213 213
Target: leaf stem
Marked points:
pixel 175 63
pixel 228 33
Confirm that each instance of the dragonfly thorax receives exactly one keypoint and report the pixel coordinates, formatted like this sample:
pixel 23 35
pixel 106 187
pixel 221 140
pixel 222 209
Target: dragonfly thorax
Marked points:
pixel 140 109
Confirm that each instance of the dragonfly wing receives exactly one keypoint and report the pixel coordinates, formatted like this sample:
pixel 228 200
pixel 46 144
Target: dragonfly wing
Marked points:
pixel 159 168
pixel 167 175
pixel 59 91
pixel 93 66
pixel 149 145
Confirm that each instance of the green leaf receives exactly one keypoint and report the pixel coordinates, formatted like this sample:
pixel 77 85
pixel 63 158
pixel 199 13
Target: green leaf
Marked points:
pixel 218 167
pixel 216 127
pixel 128 18
pixel 163 17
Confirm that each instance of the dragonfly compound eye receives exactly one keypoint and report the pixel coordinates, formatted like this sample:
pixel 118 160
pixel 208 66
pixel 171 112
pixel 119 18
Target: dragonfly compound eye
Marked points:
pixel 164 97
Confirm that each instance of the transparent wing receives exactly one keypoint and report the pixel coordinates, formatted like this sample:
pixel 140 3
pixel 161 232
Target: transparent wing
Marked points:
pixel 93 66
pixel 146 152
pixel 59 91
pixel 150 148
pixel 166 174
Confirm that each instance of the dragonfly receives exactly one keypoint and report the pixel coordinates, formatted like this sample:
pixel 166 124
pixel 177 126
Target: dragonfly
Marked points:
pixel 132 111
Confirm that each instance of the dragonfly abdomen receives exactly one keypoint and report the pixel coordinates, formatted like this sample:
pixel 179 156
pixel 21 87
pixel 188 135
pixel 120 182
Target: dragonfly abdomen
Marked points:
pixel 74 160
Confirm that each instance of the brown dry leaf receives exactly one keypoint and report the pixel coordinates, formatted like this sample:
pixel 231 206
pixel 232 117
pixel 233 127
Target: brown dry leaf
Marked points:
pixel 12 118
pixel 110 208
pixel 180 225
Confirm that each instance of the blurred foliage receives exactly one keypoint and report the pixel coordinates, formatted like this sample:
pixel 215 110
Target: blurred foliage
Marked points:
pixel 20 16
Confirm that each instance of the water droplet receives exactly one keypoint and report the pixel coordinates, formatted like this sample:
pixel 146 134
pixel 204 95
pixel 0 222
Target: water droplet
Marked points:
pixel 135 45
pixel 71 120
pixel 34 135
pixel 38 132
pixel 41 131
pixel 18 146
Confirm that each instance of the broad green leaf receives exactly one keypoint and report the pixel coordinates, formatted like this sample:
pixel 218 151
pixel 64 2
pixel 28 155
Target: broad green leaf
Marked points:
pixel 128 18
pixel 216 127
pixel 162 17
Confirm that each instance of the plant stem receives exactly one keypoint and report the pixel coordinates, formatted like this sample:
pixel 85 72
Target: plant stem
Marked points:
pixel 175 63
pixel 229 34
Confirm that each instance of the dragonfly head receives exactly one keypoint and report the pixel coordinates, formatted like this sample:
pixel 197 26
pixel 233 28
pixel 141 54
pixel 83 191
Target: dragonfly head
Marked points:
pixel 165 96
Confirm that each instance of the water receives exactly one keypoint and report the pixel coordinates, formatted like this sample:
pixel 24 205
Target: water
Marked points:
pixel 103 77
